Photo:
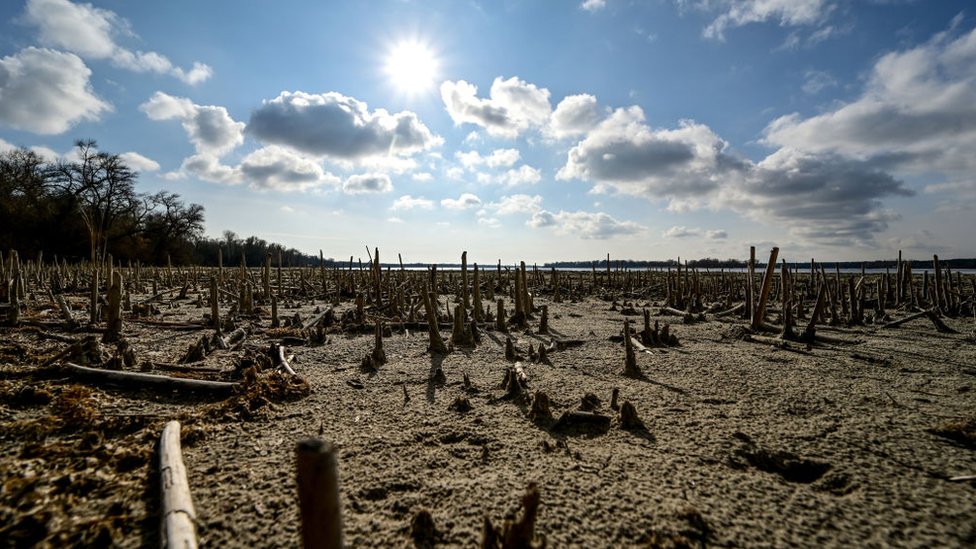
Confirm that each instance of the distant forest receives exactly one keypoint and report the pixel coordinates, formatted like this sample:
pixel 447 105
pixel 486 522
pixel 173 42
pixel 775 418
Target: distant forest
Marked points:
pixel 87 207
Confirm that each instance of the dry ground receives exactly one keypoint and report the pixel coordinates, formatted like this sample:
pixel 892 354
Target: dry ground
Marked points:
pixel 745 444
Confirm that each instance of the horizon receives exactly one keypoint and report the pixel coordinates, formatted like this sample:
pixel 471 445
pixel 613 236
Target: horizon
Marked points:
pixel 561 133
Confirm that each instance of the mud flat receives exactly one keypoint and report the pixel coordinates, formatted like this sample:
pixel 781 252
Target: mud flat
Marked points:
pixel 715 431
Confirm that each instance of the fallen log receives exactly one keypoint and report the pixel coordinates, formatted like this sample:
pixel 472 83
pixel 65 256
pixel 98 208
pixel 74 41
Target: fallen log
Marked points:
pixel 639 347
pixel 153 380
pixel 167 324
pixel 178 530
pixel 310 323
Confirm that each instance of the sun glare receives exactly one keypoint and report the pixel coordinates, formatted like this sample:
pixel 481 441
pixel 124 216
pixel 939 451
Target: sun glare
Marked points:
pixel 411 67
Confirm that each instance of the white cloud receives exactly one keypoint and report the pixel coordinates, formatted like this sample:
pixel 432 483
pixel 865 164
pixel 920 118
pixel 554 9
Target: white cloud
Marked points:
pixel 490 222
pixel 917 111
pixel 338 127
pixel 394 220
pixel 681 232
pixel 816 81
pixel 593 5
pixel 512 107
pixel 407 202
pixel 287 209
pixel 789 13
pixel 499 158
pixel 575 115
pixel 139 162
pixel 524 175
pixel 279 169
pixel 824 198
pixel 207 167
pixel 368 183
pixel 586 225
pixel 516 204
pixel 821 197
pixel 623 152
pixel 46 92
pixel 422 177
pixel 464 202
pixel 210 128
pixel 90 32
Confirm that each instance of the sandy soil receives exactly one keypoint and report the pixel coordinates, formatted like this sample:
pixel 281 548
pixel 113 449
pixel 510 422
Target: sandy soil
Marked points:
pixel 746 444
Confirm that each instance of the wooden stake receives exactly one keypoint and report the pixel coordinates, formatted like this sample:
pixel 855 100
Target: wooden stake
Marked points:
pixel 760 312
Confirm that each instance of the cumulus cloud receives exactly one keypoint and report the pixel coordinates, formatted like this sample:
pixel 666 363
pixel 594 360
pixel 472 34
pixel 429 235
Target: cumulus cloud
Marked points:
pixel 516 204
pixel 512 106
pixel 716 234
pixel 407 202
pixel 490 222
pixel 464 202
pixel 574 116
pixel 338 127
pixel 917 111
pixel 368 183
pixel 210 128
pixel 524 175
pixel 625 153
pixel 825 198
pixel 422 177
pixel 279 169
pixel 90 32
pixel 499 158
pixel 46 92
pixel 820 196
pixel 139 162
pixel 586 225
pixel 208 168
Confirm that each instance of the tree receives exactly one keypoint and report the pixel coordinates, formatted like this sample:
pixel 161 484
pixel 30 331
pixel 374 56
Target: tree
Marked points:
pixel 171 226
pixel 102 188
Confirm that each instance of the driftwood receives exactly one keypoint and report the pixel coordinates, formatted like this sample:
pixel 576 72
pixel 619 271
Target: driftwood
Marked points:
pixel 140 379
pixel 278 355
pixel 178 530
pixel 734 310
pixel 168 325
pixel 310 323
pixel 318 494
pixel 183 368
pixel 928 313
pixel 639 347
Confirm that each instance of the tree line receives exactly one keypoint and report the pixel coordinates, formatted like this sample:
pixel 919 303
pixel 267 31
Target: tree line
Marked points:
pixel 87 207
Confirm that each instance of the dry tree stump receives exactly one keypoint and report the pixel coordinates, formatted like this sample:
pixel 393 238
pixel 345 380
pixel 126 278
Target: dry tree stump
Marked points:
pixel 630 359
pixel 318 494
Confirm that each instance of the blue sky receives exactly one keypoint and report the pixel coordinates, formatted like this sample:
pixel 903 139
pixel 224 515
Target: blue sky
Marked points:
pixel 532 130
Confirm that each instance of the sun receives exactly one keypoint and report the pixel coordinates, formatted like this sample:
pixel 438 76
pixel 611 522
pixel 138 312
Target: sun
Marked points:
pixel 411 67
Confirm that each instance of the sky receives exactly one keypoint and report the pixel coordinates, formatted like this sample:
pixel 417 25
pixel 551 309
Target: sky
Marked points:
pixel 522 129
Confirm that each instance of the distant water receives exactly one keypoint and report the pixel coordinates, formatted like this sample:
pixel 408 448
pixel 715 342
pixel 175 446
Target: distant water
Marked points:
pixel 801 270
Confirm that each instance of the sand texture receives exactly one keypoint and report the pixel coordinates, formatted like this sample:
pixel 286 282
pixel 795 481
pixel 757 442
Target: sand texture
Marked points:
pixel 848 441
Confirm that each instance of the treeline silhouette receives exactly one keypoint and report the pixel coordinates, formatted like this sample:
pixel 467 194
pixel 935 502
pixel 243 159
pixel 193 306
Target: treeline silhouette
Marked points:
pixel 87 207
